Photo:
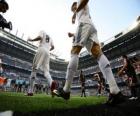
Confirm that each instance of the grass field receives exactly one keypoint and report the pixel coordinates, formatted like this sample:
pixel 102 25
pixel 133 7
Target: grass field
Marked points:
pixel 41 102
pixel 44 105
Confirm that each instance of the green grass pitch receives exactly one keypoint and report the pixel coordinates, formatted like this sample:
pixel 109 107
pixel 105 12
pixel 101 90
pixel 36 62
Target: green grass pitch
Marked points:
pixel 41 102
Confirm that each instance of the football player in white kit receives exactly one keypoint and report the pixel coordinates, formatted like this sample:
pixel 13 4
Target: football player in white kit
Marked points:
pixel 86 36
pixel 41 60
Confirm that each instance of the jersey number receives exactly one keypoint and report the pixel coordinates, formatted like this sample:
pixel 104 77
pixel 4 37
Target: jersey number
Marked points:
pixel 47 39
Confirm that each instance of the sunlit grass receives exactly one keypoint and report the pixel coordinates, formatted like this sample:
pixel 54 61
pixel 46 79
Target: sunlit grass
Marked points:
pixel 41 102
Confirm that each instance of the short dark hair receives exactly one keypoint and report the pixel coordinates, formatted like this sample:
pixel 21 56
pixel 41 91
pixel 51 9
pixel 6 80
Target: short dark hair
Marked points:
pixel 74 3
pixel 4 3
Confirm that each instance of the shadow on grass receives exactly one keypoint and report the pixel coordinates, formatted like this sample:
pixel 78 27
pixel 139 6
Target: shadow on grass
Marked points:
pixel 129 108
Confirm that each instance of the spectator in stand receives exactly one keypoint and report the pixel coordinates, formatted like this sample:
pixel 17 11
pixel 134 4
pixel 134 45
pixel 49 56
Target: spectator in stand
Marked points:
pixel 136 63
pixel 82 82
pixel 3 82
pixel 130 71
pixel 100 83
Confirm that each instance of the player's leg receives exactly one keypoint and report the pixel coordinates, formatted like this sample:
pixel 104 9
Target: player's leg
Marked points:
pixel 71 69
pixel 84 91
pixel 37 62
pixel 45 65
pixel 104 65
pixel 81 37
pixel 48 77
pixel 133 88
pixel 79 41
pixel 31 82
pixel 81 91
pixel 99 90
pixel 94 48
pixel 51 82
pixel 134 84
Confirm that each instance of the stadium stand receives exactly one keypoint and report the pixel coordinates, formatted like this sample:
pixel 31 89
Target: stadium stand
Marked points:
pixel 17 56
pixel 126 42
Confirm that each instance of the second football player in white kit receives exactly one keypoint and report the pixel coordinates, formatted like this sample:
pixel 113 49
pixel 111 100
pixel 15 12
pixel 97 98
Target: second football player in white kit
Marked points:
pixel 41 60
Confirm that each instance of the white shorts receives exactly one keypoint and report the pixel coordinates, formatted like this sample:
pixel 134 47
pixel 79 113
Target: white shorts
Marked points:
pixel 85 35
pixel 41 59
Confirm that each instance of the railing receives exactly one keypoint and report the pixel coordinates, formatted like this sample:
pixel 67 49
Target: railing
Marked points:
pixel 17 40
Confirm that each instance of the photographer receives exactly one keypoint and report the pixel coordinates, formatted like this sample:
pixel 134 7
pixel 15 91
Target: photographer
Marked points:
pixel 4 23
pixel 3 6
pixel 131 74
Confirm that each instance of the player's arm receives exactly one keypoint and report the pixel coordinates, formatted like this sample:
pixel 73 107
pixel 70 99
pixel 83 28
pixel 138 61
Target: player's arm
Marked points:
pixel 71 34
pixel 52 45
pixel 82 4
pixel 35 39
pixel 123 68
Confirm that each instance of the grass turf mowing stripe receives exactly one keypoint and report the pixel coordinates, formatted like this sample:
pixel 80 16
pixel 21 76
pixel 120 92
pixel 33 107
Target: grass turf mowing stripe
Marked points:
pixel 42 102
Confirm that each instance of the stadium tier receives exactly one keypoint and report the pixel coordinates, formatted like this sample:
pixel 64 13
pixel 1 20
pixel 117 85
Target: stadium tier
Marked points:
pixel 17 55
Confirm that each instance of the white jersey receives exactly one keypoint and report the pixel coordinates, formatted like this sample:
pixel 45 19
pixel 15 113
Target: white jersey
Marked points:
pixel 46 41
pixel 83 15
pixel 0 61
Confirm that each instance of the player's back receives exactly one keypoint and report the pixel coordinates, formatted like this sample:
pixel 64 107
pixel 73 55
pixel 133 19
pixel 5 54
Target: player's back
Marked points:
pixel 46 41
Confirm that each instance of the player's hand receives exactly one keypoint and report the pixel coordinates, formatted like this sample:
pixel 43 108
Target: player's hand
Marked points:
pixel 70 34
pixel 74 18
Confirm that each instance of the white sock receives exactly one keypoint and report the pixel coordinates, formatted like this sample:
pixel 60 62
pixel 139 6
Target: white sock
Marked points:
pixel 107 73
pixel 31 82
pixel 33 74
pixel 31 86
pixel 71 69
pixel 48 77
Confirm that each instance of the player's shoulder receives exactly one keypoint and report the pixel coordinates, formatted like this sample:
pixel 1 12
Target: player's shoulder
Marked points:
pixel 42 32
